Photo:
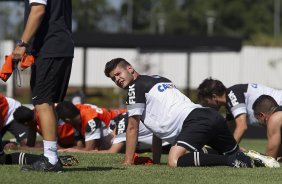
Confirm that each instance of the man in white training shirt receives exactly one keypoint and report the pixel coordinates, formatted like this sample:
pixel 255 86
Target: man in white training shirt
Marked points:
pixel 238 101
pixel 172 117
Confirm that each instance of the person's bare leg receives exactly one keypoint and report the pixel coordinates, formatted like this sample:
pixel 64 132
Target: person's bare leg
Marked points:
pixel 48 123
pixel 174 154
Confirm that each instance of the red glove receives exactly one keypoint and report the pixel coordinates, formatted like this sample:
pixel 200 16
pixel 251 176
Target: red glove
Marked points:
pixel 141 160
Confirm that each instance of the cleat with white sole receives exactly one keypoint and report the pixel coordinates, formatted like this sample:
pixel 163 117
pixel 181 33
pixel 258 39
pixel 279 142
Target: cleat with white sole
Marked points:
pixel 267 161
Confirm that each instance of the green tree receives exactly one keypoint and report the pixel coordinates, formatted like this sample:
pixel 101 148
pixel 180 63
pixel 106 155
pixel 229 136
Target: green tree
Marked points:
pixel 89 14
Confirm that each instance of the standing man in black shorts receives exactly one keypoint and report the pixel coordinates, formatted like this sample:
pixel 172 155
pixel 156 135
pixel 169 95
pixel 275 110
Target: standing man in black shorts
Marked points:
pixel 172 117
pixel 47 35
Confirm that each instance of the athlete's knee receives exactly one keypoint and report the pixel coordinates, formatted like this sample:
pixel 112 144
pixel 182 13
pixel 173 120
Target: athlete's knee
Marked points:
pixel 174 154
pixel 172 162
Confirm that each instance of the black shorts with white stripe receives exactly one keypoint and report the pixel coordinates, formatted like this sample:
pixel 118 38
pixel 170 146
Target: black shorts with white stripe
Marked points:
pixel 205 126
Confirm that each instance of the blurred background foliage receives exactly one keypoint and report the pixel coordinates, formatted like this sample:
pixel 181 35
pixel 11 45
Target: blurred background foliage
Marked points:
pixel 254 20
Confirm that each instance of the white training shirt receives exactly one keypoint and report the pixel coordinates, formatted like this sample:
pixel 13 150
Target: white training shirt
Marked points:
pixel 145 136
pixel 162 107
pixel 241 97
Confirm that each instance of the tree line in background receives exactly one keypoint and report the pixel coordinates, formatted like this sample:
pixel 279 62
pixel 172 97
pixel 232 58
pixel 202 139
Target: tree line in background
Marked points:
pixel 251 19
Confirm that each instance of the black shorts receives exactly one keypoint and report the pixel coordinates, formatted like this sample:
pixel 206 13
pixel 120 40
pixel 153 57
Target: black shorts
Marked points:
pixel 205 126
pixel 49 79
pixel 20 131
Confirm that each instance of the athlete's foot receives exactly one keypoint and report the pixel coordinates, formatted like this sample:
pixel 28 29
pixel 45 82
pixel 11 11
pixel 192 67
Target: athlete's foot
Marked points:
pixel 239 159
pixel 265 161
pixel 43 165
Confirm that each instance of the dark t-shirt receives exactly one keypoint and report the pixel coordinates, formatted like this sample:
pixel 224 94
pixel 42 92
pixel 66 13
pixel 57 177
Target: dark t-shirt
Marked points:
pixel 235 98
pixel 54 36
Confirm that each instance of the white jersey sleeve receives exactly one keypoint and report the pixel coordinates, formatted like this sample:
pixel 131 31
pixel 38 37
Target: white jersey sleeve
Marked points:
pixel 38 1
pixel 162 107
pixel 13 105
pixel 241 97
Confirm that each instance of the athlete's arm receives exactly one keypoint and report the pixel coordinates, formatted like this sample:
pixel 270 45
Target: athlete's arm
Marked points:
pixel 115 148
pixel 241 127
pixel 273 136
pixel 37 12
pixel 35 18
pixel 131 139
pixel 79 144
pixel 90 145
pixel 157 149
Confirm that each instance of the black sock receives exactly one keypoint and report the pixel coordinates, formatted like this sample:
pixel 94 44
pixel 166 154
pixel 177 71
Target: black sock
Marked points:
pixel 21 158
pixel 202 159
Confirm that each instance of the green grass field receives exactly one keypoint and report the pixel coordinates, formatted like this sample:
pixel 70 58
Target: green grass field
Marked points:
pixel 106 168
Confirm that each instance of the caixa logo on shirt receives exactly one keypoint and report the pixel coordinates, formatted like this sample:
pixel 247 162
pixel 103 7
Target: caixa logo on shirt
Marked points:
pixel 163 87
pixel 131 94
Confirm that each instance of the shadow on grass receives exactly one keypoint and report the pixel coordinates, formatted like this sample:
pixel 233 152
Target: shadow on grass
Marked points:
pixel 83 169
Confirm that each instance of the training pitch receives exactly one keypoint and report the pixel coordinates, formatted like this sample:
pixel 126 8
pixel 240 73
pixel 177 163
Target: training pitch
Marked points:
pixel 106 168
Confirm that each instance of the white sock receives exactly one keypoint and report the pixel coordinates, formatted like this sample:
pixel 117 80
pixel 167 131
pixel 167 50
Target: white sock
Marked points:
pixel 51 151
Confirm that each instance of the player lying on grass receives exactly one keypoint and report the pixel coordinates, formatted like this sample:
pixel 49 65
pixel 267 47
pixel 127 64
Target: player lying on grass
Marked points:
pixel 8 123
pixel 117 133
pixel 269 114
pixel 237 99
pixel 172 117
pixel 67 136
pixel 90 121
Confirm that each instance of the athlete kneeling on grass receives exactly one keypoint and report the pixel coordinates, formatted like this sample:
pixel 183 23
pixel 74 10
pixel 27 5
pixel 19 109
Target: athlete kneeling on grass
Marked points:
pixel 117 131
pixel 172 117
pixel 8 123
pixel 90 121
pixel 118 128
pixel 237 99
pixel 67 135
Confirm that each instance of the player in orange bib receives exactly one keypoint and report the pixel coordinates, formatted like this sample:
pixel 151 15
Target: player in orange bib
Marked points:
pixel 90 120
pixel 67 135
pixel 8 123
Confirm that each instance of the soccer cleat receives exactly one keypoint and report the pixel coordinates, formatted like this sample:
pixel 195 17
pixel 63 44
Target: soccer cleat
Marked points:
pixel 239 159
pixel 68 160
pixel 43 165
pixel 267 161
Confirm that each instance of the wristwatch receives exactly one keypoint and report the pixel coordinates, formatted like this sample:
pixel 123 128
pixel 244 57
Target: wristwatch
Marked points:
pixel 21 43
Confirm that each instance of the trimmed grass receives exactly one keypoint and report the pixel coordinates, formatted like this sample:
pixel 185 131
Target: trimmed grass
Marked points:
pixel 106 168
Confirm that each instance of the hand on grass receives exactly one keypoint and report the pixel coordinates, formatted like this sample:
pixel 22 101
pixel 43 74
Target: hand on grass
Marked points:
pixel 126 162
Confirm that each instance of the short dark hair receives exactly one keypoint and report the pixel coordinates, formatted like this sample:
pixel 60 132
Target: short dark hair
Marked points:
pixel 23 114
pixel 264 103
pixel 110 65
pixel 66 109
pixel 209 87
